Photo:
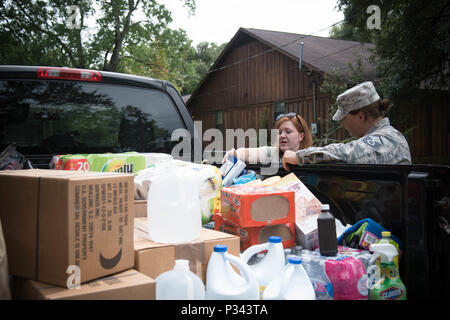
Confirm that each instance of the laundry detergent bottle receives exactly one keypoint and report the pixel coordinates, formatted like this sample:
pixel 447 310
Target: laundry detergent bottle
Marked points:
pixel 179 283
pixel 293 283
pixel 271 265
pixel 224 283
pixel 386 238
pixel 385 284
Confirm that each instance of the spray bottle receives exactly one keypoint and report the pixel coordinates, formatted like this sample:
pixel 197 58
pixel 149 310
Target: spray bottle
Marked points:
pixel 389 285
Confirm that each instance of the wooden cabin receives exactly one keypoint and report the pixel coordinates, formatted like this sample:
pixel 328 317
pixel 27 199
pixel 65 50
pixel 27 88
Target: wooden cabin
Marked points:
pixel 258 76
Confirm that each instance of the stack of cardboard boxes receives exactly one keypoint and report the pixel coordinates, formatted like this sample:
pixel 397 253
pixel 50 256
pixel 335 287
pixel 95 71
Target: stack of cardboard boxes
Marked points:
pixel 71 235
pixel 256 213
pixel 283 207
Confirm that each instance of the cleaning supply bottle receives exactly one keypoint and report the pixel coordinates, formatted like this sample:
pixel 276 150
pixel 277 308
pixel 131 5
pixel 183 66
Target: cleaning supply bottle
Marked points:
pixel 386 238
pixel 179 284
pixel 292 283
pixel 272 263
pixel 223 283
pixel 389 286
pixel 326 226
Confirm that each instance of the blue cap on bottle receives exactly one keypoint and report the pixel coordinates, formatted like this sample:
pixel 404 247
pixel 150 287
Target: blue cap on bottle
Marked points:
pixel 274 239
pixel 295 260
pixel 220 248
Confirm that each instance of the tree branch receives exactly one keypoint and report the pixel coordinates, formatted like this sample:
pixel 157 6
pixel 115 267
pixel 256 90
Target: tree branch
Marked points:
pixel 31 22
pixel 140 61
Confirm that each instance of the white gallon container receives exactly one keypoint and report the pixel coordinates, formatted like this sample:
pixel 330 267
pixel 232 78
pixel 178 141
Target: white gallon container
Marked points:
pixel 179 284
pixel 292 284
pixel 223 283
pixel 173 207
pixel 271 265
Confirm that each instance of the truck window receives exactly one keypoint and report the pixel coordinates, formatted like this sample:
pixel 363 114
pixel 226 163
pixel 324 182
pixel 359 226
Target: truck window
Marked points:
pixel 60 117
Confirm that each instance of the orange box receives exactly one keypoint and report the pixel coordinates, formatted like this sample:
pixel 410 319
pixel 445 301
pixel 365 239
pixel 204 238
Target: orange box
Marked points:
pixel 250 236
pixel 257 206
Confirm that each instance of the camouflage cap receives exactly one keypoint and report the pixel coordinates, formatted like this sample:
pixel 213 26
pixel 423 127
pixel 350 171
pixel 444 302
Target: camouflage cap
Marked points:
pixel 355 98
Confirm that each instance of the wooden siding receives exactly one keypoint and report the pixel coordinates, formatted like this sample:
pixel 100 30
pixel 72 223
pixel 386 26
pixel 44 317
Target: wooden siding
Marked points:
pixel 247 90
pixel 265 79
pixel 428 113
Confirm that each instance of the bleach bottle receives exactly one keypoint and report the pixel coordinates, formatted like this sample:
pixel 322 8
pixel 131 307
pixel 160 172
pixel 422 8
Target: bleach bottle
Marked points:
pixel 179 284
pixel 292 283
pixel 223 283
pixel 385 284
pixel 271 265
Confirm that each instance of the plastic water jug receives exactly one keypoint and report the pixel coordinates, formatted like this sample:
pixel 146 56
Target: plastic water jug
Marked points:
pixel 223 283
pixel 314 266
pixel 179 284
pixel 173 207
pixel 291 284
pixel 271 265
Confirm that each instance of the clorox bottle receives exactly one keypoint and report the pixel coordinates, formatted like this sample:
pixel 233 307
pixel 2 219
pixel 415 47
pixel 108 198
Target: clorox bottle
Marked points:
pixel 271 265
pixel 179 284
pixel 291 284
pixel 223 283
pixel 173 207
pixel 386 284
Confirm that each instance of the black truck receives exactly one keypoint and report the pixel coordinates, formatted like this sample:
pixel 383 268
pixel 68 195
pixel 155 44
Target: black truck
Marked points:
pixel 46 111
pixel 412 201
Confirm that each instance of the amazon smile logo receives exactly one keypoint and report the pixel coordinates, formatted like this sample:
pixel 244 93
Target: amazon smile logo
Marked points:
pixel 109 263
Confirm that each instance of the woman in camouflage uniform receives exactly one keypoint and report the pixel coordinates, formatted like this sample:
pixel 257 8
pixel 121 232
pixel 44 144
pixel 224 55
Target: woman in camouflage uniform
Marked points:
pixel 361 111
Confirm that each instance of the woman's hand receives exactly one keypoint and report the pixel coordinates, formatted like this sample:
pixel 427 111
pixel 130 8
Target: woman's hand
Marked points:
pixel 228 154
pixel 289 157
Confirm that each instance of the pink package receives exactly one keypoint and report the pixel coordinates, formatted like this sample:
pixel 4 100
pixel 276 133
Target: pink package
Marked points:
pixel 348 277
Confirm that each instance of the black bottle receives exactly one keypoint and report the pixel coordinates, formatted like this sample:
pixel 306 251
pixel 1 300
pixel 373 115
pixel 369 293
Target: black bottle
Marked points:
pixel 326 226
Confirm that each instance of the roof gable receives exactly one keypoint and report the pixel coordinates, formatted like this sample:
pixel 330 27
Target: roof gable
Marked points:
pixel 324 54
pixel 319 53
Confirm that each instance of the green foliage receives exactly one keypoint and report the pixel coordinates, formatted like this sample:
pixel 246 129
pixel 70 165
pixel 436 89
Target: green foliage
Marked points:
pixel 199 60
pixel 130 36
pixel 345 31
pixel 40 33
pixel 412 44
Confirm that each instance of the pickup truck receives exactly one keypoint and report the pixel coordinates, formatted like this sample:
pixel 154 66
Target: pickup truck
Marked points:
pixel 412 201
pixel 47 111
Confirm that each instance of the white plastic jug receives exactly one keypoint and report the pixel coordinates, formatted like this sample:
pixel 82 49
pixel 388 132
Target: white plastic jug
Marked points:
pixel 173 207
pixel 271 265
pixel 292 284
pixel 179 284
pixel 223 283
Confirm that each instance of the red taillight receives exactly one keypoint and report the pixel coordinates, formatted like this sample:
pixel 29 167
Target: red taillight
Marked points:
pixel 68 74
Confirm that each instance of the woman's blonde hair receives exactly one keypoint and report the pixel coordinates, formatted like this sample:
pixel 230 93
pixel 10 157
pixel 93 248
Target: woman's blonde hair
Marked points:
pixel 301 126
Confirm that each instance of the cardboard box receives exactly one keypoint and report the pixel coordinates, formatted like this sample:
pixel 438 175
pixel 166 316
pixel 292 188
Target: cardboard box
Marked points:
pixel 257 206
pixel 306 233
pixel 127 285
pixel 140 208
pixel 255 235
pixel 54 219
pixel 307 210
pixel 153 258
